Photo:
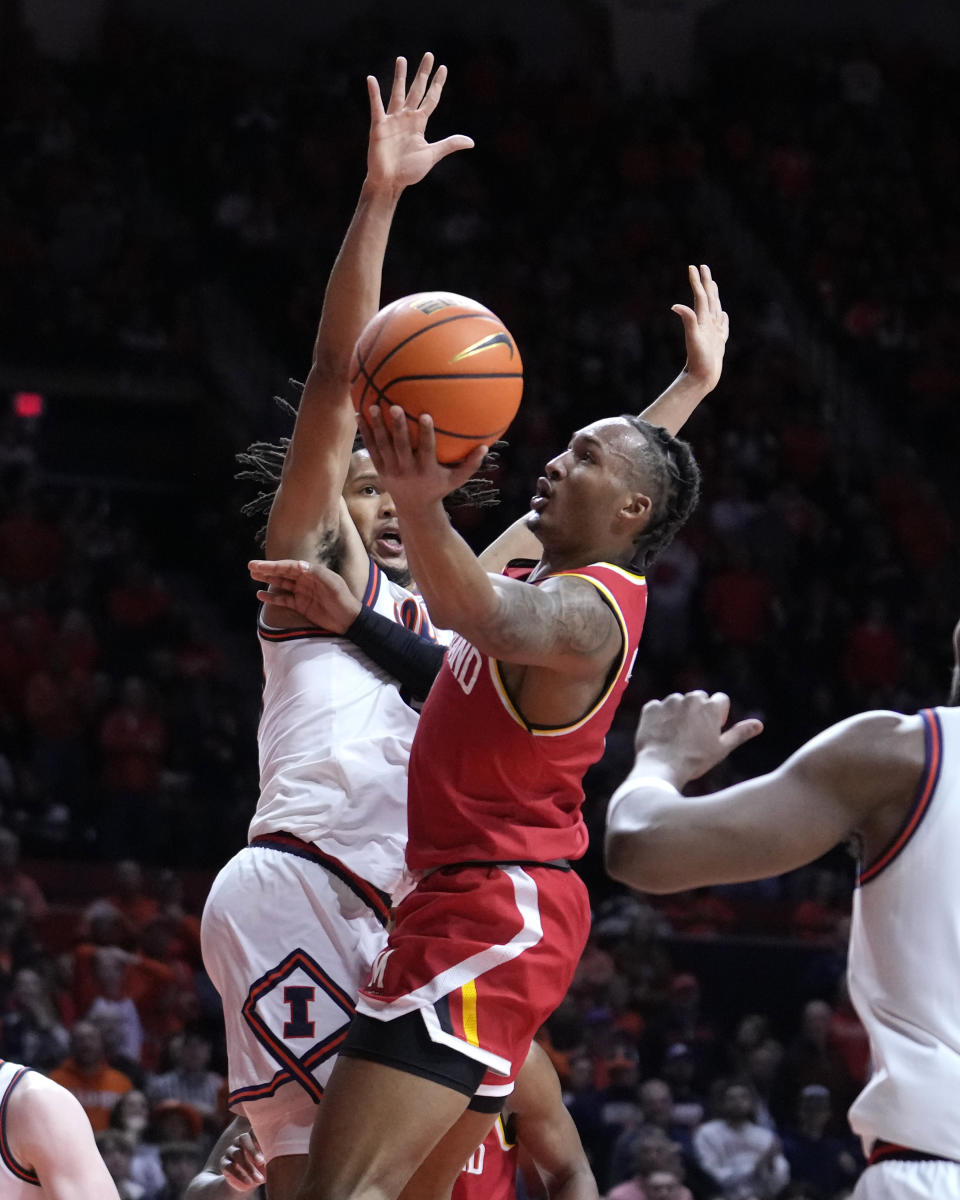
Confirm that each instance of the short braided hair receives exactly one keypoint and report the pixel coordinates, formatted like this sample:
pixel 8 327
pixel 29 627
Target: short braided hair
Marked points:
pixel 669 465
pixel 262 463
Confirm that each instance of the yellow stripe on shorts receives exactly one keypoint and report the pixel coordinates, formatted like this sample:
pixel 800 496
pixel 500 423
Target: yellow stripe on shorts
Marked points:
pixel 469 1000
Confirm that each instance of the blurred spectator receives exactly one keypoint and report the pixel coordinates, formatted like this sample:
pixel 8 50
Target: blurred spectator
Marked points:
pixel 129 896
pixel 14 882
pixel 181 1161
pixel 131 1115
pixel 191 1082
pixel 31 1031
pixel 89 1076
pixel 678 1068
pixel 113 1005
pixel 174 1121
pixel 653 1152
pixel 741 1158
pixel 830 1164
pixel 17 948
pixel 656 1112
pixel 811 1057
pixel 116 1149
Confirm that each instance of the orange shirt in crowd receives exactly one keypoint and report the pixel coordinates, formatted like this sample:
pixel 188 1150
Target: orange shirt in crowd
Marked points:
pixel 97 1090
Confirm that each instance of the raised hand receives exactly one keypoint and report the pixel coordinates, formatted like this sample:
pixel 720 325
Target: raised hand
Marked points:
pixel 399 153
pixel 686 733
pixel 706 328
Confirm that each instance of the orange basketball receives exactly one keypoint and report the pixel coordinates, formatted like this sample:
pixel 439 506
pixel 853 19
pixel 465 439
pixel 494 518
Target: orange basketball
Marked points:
pixel 445 355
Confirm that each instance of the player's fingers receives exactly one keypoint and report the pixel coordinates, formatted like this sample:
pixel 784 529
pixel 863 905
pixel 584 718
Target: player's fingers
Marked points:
pixel 742 732
pixel 377 440
pixel 399 88
pixel 376 100
pixel 687 316
pixel 696 286
pixel 432 98
pixel 450 145
pixel 720 703
pixel 419 86
pixel 251 1148
pixel 461 472
pixel 426 450
pixel 400 436
pixel 236 1172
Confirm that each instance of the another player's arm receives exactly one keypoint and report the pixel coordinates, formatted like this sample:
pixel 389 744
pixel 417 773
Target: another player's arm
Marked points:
pixel 325 599
pixel 235 1165
pixel 549 1144
pixel 851 778
pixel 48 1131
pixel 706 328
pixel 307 509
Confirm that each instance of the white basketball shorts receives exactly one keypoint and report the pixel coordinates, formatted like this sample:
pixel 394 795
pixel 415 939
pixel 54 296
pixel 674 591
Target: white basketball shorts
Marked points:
pixel 894 1179
pixel 288 937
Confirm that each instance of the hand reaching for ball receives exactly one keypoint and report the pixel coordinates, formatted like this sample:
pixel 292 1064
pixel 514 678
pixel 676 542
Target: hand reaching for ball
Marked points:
pixel 413 476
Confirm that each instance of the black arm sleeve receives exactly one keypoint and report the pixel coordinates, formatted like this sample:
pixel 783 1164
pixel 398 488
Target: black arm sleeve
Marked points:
pixel 411 659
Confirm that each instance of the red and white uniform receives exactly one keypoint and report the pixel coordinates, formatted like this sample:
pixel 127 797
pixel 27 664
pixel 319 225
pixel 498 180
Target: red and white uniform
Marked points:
pixel 490 1173
pixel 17 1182
pixel 487 951
pixel 294 920
pixel 904 977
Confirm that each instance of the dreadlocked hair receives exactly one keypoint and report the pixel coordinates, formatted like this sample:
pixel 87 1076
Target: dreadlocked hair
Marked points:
pixel 673 477
pixel 262 463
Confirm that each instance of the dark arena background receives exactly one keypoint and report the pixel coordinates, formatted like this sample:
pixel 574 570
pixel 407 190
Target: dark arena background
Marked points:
pixel 175 180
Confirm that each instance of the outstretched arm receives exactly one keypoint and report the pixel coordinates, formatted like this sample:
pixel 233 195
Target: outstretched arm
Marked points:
pixel 661 841
pixel 306 510
pixel 48 1131
pixel 706 328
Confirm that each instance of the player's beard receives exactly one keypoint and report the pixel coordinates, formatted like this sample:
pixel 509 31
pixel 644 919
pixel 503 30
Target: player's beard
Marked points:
pixel 399 575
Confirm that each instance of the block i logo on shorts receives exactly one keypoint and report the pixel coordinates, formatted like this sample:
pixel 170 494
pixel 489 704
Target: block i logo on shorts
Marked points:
pixel 300 1016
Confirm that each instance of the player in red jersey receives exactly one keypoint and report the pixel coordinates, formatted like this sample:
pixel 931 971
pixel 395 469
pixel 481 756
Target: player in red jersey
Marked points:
pixel 485 944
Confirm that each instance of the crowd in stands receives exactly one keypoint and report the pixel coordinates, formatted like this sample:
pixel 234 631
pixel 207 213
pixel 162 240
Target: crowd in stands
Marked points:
pixel 816 579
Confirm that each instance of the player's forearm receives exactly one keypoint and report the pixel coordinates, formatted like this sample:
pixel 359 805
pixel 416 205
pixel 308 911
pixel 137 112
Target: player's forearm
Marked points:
pixel 458 592
pixel 673 407
pixel 208 1185
pixel 353 289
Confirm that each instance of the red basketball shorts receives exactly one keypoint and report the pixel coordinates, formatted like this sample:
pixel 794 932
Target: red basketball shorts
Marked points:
pixel 485 954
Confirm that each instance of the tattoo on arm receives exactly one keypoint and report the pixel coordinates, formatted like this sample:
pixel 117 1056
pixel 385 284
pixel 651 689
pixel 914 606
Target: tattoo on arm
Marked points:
pixel 568 616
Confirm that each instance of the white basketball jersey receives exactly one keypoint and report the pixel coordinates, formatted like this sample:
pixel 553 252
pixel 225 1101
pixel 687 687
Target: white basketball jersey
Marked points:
pixel 17 1182
pixel 334 740
pixel 904 966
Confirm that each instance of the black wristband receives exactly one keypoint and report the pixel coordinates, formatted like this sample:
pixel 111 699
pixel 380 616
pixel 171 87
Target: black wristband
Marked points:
pixel 411 659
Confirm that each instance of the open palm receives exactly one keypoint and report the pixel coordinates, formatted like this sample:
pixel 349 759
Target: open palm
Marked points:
pixel 399 153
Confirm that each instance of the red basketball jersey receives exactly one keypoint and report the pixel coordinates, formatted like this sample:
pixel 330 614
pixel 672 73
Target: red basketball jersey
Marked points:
pixel 486 785
pixel 490 1172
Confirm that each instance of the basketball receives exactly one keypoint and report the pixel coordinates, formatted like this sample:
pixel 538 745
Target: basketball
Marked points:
pixel 446 355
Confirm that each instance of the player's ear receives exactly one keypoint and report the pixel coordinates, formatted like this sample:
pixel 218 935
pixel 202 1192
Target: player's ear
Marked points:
pixel 636 509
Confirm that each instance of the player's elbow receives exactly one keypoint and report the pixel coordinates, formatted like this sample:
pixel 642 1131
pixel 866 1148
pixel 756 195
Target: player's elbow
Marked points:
pixel 632 857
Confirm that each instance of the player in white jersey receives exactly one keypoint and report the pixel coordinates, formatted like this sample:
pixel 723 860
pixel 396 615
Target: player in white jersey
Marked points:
pixel 46 1143
pixel 293 922
pixel 893 783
